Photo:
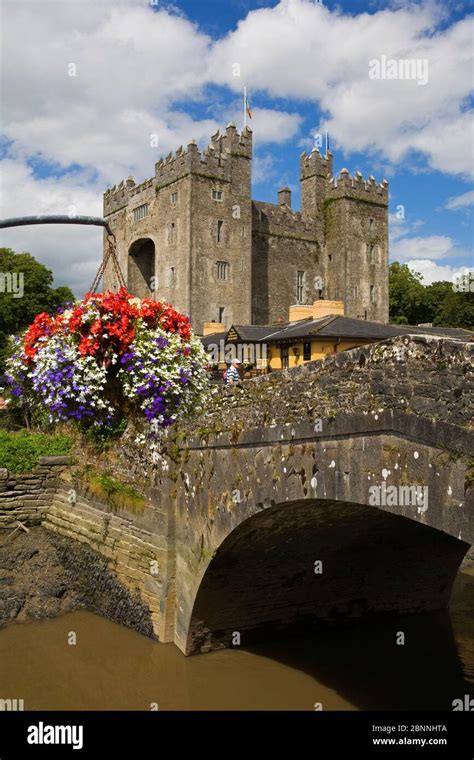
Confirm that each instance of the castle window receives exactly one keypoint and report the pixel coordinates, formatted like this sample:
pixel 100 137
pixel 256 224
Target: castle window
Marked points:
pixel 307 351
pixel 330 257
pixel 174 198
pixel 220 225
pixel 171 233
pixel 222 270
pixel 373 294
pixel 336 294
pixel 355 291
pixel 217 195
pixel 172 277
pixel 372 254
pixel 140 212
pixel 221 312
pixel 371 224
pixel 299 286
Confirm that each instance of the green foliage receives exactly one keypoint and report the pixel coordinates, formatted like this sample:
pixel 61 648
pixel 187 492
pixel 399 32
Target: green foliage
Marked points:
pixel 413 303
pixel 38 295
pixel 20 452
pixel 108 489
pixel 406 295
pixel 103 439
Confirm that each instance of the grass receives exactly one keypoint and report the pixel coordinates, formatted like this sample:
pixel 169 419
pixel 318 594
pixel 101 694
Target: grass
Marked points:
pixel 106 488
pixel 20 452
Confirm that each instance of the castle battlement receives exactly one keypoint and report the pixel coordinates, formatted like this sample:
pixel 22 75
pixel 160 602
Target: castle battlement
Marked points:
pixel 275 219
pixel 355 186
pixel 119 195
pixel 179 229
pixel 214 161
pixel 315 164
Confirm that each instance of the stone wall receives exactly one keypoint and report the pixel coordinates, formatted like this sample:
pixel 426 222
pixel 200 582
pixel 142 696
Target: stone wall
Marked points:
pixel 137 548
pixel 425 376
pixel 27 496
pixel 264 244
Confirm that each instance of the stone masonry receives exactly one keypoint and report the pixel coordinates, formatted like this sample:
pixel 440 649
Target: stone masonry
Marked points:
pixel 192 236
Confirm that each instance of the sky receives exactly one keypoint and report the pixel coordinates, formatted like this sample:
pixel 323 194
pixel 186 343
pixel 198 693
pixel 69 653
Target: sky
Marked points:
pixel 89 86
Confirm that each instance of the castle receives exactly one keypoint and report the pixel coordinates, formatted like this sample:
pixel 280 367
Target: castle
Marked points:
pixel 193 236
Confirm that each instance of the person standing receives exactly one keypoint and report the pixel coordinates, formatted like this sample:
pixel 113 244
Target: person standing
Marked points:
pixel 232 376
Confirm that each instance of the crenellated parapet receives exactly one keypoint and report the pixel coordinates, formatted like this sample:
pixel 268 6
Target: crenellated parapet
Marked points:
pixel 347 186
pixel 315 164
pixel 119 195
pixel 279 220
pixel 214 161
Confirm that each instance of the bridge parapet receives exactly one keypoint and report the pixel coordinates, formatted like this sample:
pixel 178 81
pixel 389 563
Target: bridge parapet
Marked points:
pixel 421 375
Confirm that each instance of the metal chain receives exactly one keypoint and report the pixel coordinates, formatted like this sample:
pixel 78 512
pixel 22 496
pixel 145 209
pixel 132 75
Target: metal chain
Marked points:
pixel 109 254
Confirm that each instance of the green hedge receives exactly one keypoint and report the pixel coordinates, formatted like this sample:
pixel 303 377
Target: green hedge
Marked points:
pixel 20 452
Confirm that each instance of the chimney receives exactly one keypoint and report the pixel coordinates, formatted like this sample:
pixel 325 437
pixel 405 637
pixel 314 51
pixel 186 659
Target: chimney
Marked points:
pixel 322 308
pixel 284 197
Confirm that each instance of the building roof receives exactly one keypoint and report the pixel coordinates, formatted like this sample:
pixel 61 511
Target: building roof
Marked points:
pixel 332 326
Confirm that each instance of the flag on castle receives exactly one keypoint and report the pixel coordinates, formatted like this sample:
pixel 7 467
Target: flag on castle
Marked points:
pixel 247 109
pixel 247 106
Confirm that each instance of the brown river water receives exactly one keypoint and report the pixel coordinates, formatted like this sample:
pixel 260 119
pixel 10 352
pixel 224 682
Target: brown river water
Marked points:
pixel 357 666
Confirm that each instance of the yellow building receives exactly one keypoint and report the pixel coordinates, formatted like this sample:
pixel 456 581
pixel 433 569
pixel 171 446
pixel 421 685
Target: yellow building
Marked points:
pixel 312 332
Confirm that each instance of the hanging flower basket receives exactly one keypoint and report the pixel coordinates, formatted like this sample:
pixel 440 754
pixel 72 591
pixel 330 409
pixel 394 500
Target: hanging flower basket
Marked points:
pixel 107 357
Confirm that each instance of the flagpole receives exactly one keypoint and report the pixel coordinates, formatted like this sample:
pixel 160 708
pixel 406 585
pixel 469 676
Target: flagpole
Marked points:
pixel 326 142
pixel 245 106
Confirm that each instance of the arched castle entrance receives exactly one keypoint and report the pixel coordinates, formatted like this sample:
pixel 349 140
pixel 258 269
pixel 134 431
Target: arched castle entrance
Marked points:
pixel 141 267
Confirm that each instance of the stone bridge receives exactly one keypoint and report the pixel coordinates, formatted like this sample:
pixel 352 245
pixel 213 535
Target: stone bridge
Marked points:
pixel 328 491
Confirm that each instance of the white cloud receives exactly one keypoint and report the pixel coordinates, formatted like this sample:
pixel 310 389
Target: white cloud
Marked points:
pixel 263 168
pixel 72 252
pixel 432 272
pixel 460 201
pixel 431 247
pixel 300 49
pixel 271 126
pixel 134 65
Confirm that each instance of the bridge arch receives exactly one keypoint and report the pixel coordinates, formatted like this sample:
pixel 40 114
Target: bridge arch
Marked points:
pixel 141 267
pixel 318 560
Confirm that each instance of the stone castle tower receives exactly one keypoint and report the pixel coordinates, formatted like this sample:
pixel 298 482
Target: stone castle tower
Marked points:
pixel 192 236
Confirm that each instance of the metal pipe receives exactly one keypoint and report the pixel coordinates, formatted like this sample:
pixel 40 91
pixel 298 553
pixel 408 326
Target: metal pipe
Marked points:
pixel 20 221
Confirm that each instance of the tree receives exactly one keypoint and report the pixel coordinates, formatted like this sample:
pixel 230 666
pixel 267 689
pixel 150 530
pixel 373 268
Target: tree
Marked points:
pixel 25 291
pixel 406 295
pixel 440 303
pixel 457 310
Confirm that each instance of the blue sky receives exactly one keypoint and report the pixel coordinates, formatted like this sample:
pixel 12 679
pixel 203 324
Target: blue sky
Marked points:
pixel 166 69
